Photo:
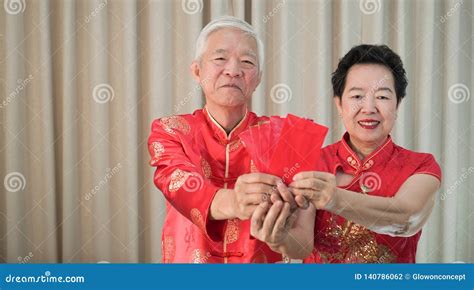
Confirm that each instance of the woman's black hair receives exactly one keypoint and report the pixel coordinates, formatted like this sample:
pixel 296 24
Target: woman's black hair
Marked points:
pixel 371 54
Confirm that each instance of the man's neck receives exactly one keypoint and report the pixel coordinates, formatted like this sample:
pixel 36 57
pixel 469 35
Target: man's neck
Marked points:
pixel 227 118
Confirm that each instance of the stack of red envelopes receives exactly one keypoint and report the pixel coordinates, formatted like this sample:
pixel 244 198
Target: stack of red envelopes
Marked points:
pixel 285 146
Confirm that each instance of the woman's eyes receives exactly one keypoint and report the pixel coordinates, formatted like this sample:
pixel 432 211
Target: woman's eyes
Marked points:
pixel 358 97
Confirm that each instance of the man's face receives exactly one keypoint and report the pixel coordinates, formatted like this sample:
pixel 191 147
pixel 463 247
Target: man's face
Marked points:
pixel 228 70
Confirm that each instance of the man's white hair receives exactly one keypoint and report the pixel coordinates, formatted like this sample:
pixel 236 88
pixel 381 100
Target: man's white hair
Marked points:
pixel 228 22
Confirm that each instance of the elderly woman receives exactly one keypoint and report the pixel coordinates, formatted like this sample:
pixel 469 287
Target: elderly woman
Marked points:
pixel 372 196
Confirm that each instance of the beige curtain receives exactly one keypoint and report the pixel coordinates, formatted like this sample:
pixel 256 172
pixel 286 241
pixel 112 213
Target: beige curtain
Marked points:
pixel 81 82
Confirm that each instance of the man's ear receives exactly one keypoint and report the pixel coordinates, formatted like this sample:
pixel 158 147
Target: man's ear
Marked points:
pixel 196 71
pixel 259 79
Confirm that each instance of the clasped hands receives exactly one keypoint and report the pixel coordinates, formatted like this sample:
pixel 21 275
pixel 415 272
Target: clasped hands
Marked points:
pixel 273 207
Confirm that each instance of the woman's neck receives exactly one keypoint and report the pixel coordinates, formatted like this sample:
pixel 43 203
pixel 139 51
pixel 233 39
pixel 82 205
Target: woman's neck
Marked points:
pixel 364 149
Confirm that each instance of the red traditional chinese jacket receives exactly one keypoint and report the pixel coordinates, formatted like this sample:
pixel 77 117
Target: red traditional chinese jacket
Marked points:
pixel 194 158
pixel 382 173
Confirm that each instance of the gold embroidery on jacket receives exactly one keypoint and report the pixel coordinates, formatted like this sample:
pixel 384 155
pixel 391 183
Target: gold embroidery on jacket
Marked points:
pixel 206 168
pixel 355 244
pixel 197 219
pixel 158 150
pixel 169 249
pixel 199 257
pixel 175 123
pixel 232 231
pixel 235 145
pixel 178 178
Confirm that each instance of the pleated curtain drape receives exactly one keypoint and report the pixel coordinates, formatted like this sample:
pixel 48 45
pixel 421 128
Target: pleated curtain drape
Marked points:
pixel 81 82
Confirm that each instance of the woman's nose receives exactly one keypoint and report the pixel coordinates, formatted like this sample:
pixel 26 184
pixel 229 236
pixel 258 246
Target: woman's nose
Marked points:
pixel 368 104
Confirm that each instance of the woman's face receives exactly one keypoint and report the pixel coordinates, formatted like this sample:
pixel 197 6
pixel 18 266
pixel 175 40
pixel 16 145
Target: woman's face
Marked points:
pixel 368 105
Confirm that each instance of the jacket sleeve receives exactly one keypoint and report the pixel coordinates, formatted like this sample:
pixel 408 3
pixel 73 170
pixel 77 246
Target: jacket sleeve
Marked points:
pixel 182 183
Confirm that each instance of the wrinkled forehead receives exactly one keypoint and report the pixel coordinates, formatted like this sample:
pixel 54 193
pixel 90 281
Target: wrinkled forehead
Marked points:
pixel 228 39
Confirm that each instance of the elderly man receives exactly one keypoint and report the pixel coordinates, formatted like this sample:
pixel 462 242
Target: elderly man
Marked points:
pixel 209 180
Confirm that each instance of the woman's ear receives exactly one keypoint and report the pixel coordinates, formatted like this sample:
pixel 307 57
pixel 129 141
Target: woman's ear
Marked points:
pixel 338 102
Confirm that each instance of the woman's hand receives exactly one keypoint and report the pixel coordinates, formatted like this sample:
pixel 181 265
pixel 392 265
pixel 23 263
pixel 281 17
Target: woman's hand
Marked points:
pixel 319 188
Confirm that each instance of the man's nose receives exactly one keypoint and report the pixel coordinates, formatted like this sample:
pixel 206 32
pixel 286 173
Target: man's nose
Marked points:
pixel 233 69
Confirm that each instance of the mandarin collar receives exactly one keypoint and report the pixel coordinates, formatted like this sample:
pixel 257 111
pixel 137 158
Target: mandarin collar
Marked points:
pixel 350 161
pixel 219 132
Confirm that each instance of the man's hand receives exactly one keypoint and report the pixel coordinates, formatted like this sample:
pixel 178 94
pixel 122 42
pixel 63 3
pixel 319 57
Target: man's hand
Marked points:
pixel 271 223
pixel 252 189
pixel 249 191
pixel 318 187
pixel 285 232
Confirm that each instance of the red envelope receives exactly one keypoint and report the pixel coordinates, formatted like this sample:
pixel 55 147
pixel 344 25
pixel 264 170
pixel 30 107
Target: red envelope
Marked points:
pixel 298 147
pixel 258 141
pixel 252 138
pixel 285 146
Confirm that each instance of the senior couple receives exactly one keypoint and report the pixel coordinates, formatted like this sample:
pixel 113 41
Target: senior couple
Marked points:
pixel 366 203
